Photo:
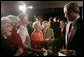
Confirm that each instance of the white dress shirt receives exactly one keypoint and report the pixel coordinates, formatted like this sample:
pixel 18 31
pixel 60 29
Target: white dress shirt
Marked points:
pixel 67 28
pixel 24 34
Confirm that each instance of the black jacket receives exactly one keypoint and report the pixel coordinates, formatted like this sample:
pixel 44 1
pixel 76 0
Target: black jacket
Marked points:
pixel 76 37
pixel 5 47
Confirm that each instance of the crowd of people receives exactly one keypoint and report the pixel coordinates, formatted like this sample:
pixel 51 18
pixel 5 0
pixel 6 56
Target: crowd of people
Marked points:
pixel 18 38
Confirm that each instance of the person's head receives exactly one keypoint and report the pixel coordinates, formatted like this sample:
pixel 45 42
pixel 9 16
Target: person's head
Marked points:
pixel 23 19
pixel 50 19
pixel 62 23
pixel 58 20
pixel 6 27
pixel 46 24
pixel 71 11
pixel 14 20
pixel 37 26
pixel 37 19
pixel 54 19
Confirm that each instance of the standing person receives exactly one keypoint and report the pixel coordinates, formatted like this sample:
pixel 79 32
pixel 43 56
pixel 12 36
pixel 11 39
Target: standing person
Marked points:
pixel 23 31
pixel 37 39
pixel 15 39
pixel 56 28
pixel 62 24
pixel 23 28
pixel 74 29
pixel 48 36
pixel 57 34
pixel 6 29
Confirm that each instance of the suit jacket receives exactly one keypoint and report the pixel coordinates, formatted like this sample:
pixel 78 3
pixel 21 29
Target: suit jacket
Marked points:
pixel 76 37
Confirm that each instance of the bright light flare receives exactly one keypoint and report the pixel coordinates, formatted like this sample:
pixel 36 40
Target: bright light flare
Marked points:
pixel 30 7
pixel 22 8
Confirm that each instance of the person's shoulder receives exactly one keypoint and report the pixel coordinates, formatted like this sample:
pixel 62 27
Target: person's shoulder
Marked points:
pixel 41 32
pixel 22 27
pixel 18 35
pixel 33 33
pixel 80 21
pixel 50 29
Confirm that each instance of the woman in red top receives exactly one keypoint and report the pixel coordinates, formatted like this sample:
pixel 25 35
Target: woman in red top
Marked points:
pixel 16 44
pixel 37 40
pixel 15 39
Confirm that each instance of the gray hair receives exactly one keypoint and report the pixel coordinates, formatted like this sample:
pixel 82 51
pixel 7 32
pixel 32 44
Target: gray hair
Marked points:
pixel 48 26
pixel 72 6
pixel 22 15
pixel 4 21
pixel 14 20
pixel 35 24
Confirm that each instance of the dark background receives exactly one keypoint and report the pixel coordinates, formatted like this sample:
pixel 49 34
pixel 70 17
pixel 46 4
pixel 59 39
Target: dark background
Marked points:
pixel 44 9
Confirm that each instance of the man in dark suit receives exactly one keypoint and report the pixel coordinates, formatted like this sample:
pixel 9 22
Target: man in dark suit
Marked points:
pixel 73 32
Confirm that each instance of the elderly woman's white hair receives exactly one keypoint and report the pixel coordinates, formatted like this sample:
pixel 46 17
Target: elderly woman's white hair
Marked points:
pixel 14 20
pixel 35 24
pixel 48 26
pixel 4 21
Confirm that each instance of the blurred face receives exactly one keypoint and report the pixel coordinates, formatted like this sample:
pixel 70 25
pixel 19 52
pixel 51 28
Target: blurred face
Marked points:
pixel 25 20
pixel 45 25
pixel 62 23
pixel 38 27
pixel 37 19
pixel 7 29
pixel 68 14
pixel 54 20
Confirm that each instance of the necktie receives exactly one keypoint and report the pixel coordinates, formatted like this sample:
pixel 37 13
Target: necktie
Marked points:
pixel 69 31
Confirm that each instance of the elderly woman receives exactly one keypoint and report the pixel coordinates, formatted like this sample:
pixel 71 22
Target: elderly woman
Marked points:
pixel 37 36
pixel 15 39
pixel 6 29
pixel 37 39
pixel 48 35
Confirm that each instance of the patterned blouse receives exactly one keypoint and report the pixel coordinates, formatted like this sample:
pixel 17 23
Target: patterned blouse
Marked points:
pixel 37 40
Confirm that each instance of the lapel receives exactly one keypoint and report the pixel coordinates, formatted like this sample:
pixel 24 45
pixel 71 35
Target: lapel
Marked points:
pixel 74 30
